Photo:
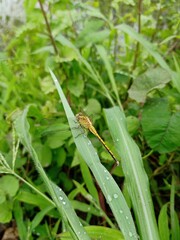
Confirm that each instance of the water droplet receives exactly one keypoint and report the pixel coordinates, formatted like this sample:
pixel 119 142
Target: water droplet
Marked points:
pixel 89 143
pixel 130 234
pixel 95 154
pixel 105 170
pixel 109 198
pixel 115 195
pixel 107 177
pixel 121 211
pixel 126 217
pixel 61 198
pixel 117 139
pixel 64 203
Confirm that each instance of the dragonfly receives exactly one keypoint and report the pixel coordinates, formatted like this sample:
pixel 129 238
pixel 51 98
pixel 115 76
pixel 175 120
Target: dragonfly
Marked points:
pixel 86 123
pixel 57 133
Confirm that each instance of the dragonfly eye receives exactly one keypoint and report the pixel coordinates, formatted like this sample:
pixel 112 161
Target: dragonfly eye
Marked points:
pixel 79 115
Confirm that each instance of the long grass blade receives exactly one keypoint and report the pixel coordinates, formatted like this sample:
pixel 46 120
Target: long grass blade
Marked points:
pixel 135 175
pixel 110 189
pixel 60 199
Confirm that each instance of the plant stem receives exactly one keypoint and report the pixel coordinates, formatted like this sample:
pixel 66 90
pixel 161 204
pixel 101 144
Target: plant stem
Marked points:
pixel 48 28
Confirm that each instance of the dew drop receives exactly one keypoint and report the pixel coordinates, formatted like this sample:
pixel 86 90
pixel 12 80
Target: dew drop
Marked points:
pixel 107 177
pixel 64 203
pixel 126 217
pixel 130 234
pixel 89 143
pixel 115 195
pixel 117 139
pixel 109 198
pixel 121 211
pixel 61 198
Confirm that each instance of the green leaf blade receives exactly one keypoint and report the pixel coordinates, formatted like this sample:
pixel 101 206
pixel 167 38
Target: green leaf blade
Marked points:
pixel 135 175
pixel 60 199
pixel 110 189
pixel 152 79
pixel 163 223
pixel 161 127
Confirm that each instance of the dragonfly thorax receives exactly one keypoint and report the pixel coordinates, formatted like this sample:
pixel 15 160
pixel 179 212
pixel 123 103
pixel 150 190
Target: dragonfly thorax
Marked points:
pixel 83 120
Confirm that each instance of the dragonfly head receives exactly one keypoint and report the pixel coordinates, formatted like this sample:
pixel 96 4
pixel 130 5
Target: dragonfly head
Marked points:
pixel 79 115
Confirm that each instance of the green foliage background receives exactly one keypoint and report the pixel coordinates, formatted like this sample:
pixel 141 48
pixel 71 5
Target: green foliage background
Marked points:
pixel 104 54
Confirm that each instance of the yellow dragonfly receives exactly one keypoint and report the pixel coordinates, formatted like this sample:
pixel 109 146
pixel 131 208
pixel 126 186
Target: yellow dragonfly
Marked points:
pixel 86 123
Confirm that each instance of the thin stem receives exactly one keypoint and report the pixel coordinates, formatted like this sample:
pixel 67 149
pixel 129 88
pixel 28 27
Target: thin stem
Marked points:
pixel 35 189
pixel 157 24
pixel 57 52
pixel 139 31
pixel 48 27
pixel 136 54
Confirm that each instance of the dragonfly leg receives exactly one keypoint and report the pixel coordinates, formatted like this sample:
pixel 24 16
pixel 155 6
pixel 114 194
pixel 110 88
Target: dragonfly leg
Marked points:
pixel 82 132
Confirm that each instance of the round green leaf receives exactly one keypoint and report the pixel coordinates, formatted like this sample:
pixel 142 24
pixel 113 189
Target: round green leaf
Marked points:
pixel 9 185
pixel 151 79
pixel 161 127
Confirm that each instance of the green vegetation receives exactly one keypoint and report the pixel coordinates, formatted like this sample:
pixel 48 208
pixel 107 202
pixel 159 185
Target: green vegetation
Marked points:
pixel 118 62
